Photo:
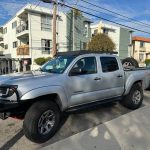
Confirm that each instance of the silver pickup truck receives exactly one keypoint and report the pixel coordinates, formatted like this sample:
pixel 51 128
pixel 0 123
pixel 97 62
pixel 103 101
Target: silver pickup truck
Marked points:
pixel 69 82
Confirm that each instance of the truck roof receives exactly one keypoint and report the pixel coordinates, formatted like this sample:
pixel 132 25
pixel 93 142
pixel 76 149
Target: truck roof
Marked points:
pixel 82 52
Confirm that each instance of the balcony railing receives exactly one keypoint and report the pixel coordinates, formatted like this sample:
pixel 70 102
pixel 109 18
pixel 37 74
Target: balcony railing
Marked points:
pixel 23 50
pixel 21 28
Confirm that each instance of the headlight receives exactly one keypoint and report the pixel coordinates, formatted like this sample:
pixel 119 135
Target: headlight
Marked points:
pixel 7 90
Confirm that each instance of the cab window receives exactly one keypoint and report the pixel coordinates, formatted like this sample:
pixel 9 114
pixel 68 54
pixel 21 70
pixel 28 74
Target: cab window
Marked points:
pixel 109 64
pixel 84 66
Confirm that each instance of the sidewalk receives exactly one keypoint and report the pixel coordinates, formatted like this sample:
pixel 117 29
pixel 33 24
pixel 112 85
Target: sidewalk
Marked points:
pixel 127 132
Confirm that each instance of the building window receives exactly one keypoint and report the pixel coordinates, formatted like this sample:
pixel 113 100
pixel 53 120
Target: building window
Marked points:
pixel 84 45
pixel 142 44
pixel 5 30
pixel 15 44
pixel 85 30
pixel 105 31
pixel 14 24
pixel 6 46
pixel 46 23
pixel 46 45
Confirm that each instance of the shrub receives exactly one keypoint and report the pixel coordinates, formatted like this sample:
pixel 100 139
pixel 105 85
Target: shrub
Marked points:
pixel 48 59
pixel 147 61
pixel 42 60
pixel 101 42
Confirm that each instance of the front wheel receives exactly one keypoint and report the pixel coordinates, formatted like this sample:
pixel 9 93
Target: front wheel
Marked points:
pixel 135 97
pixel 41 121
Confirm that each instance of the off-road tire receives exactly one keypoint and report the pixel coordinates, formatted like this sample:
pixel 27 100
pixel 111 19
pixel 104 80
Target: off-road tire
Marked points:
pixel 128 99
pixel 30 124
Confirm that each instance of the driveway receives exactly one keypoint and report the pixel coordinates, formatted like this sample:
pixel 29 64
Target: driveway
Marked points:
pixel 12 137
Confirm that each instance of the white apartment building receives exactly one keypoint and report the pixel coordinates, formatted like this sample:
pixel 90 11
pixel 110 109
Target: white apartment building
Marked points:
pixel 141 49
pixel 122 37
pixel 28 35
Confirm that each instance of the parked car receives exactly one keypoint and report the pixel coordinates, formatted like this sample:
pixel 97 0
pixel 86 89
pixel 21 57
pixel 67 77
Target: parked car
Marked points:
pixel 69 82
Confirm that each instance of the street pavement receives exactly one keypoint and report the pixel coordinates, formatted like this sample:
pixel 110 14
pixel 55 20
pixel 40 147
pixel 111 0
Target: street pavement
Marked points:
pixel 108 127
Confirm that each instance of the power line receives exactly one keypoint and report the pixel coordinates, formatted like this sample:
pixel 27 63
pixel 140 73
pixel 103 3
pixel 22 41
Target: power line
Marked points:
pixel 90 14
pixel 106 14
pixel 141 23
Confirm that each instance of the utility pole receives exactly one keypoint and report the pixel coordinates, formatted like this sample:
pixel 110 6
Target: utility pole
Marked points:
pixel 54 49
pixel 73 30
pixel 54 27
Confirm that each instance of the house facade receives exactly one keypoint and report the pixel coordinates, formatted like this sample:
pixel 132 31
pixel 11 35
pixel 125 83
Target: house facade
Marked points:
pixel 141 48
pixel 28 35
pixel 122 37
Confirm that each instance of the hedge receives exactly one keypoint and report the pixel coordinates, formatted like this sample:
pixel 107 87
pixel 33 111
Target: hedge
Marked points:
pixel 147 61
pixel 41 60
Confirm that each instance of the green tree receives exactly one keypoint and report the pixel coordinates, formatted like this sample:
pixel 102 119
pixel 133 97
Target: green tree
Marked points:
pixel 101 42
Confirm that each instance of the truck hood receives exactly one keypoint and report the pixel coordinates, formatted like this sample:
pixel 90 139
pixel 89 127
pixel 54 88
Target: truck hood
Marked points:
pixel 10 78
pixel 30 80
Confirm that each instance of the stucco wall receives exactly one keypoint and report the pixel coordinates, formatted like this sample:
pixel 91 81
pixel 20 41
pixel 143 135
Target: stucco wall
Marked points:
pixel 124 43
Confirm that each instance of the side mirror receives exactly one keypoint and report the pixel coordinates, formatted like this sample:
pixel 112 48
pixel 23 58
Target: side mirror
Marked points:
pixel 75 72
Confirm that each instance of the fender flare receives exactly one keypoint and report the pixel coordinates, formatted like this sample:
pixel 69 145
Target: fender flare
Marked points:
pixel 131 81
pixel 42 91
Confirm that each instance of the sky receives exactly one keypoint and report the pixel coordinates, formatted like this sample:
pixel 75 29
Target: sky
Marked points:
pixel 135 9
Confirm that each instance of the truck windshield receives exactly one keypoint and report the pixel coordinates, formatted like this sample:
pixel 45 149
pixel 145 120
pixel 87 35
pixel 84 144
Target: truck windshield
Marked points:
pixel 57 65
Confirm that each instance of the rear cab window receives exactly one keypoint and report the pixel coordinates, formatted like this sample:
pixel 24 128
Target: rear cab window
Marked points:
pixel 109 64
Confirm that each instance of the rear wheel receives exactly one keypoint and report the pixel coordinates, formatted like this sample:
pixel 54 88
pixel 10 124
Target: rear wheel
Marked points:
pixel 135 97
pixel 41 121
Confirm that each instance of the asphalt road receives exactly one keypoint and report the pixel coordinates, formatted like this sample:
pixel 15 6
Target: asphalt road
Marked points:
pixel 12 136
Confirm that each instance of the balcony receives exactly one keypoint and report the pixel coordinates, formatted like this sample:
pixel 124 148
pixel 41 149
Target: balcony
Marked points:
pixel 22 30
pixel 23 50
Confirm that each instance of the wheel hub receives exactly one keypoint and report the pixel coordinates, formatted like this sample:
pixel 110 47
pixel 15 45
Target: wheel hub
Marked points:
pixel 136 97
pixel 46 122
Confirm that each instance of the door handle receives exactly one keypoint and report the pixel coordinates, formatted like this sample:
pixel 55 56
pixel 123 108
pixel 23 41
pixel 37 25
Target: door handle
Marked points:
pixel 120 76
pixel 97 79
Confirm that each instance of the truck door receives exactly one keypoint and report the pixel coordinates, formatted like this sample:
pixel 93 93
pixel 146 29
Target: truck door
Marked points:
pixel 83 81
pixel 112 77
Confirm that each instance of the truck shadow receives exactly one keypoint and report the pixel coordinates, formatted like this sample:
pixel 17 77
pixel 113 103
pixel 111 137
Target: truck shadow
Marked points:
pixel 82 120
pixel 73 123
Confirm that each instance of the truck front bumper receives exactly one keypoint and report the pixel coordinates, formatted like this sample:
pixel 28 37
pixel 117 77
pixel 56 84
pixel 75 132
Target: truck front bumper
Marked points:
pixel 9 101
pixel 7 105
pixel 13 109
pixel 7 108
